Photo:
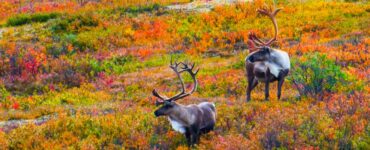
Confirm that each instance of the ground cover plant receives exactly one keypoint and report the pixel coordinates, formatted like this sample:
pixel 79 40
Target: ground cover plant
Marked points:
pixel 89 67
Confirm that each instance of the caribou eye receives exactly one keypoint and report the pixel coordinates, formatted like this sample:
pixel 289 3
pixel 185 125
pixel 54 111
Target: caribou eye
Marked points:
pixel 269 50
pixel 265 49
pixel 168 104
pixel 251 59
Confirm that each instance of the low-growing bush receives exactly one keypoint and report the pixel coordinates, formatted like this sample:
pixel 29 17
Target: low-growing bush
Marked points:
pixel 3 93
pixel 27 18
pixel 315 74
pixel 113 65
pixel 92 40
pixel 18 20
pixel 141 9
pixel 75 23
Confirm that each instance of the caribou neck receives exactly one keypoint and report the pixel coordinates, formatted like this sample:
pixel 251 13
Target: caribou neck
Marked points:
pixel 182 114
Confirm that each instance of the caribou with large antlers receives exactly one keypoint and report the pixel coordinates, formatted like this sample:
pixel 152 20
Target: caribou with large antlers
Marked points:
pixel 193 120
pixel 266 64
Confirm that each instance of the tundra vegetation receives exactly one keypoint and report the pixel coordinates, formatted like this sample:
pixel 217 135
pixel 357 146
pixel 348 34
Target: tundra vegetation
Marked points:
pixel 91 66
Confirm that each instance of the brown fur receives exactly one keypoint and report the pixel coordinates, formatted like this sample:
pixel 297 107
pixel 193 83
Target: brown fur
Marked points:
pixel 259 72
pixel 194 119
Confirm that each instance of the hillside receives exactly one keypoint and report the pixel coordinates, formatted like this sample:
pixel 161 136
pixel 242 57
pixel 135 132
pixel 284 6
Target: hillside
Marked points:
pixel 80 74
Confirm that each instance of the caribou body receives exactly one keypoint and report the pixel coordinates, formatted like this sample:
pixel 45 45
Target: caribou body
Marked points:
pixel 191 120
pixel 266 64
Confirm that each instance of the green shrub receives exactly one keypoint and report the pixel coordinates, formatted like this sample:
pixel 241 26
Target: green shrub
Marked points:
pixel 19 20
pixel 43 17
pixel 75 23
pixel 60 44
pixel 352 0
pixel 240 64
pixel 30 18
pixel 94 40
pixel 141 9
pixel 3 93
pixel 315 74
pixel 129 63
pixel 84 20
pixel 80 31
pixel 60 25
pixel 117 64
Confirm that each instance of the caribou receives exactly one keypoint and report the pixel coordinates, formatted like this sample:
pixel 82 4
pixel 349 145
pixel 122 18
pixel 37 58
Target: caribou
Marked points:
pixel 191 120
pixel 265 64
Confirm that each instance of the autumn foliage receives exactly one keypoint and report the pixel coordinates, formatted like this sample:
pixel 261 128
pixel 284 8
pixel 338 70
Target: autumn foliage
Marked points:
pixel 90 68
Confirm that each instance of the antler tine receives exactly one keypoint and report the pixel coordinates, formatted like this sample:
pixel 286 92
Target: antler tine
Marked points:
pixel 253 37
pixel 271 14
pixel 185 65
pixel 257 43
pixel 188 67
pixel 193 74
pixel 254 42
pixel 174 67
pixel 192 66
pixel 178 73
pixel 155 93
pixel 162 98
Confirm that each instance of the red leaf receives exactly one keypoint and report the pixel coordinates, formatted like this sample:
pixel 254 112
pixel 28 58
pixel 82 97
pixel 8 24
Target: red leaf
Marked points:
pixel 15 105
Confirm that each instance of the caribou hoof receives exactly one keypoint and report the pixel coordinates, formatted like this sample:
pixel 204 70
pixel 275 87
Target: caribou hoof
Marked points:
pixel 247 100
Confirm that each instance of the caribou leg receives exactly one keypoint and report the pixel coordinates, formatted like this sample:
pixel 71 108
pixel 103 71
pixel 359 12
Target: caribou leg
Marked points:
pixel 281 79
pixel 280 84
pixel 188 136
pixel 195 135
pixel 267 83
pixel 252 83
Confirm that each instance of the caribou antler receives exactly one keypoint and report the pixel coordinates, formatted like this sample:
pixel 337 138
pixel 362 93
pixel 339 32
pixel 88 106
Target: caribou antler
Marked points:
pixel 258 43
pixel 186 67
